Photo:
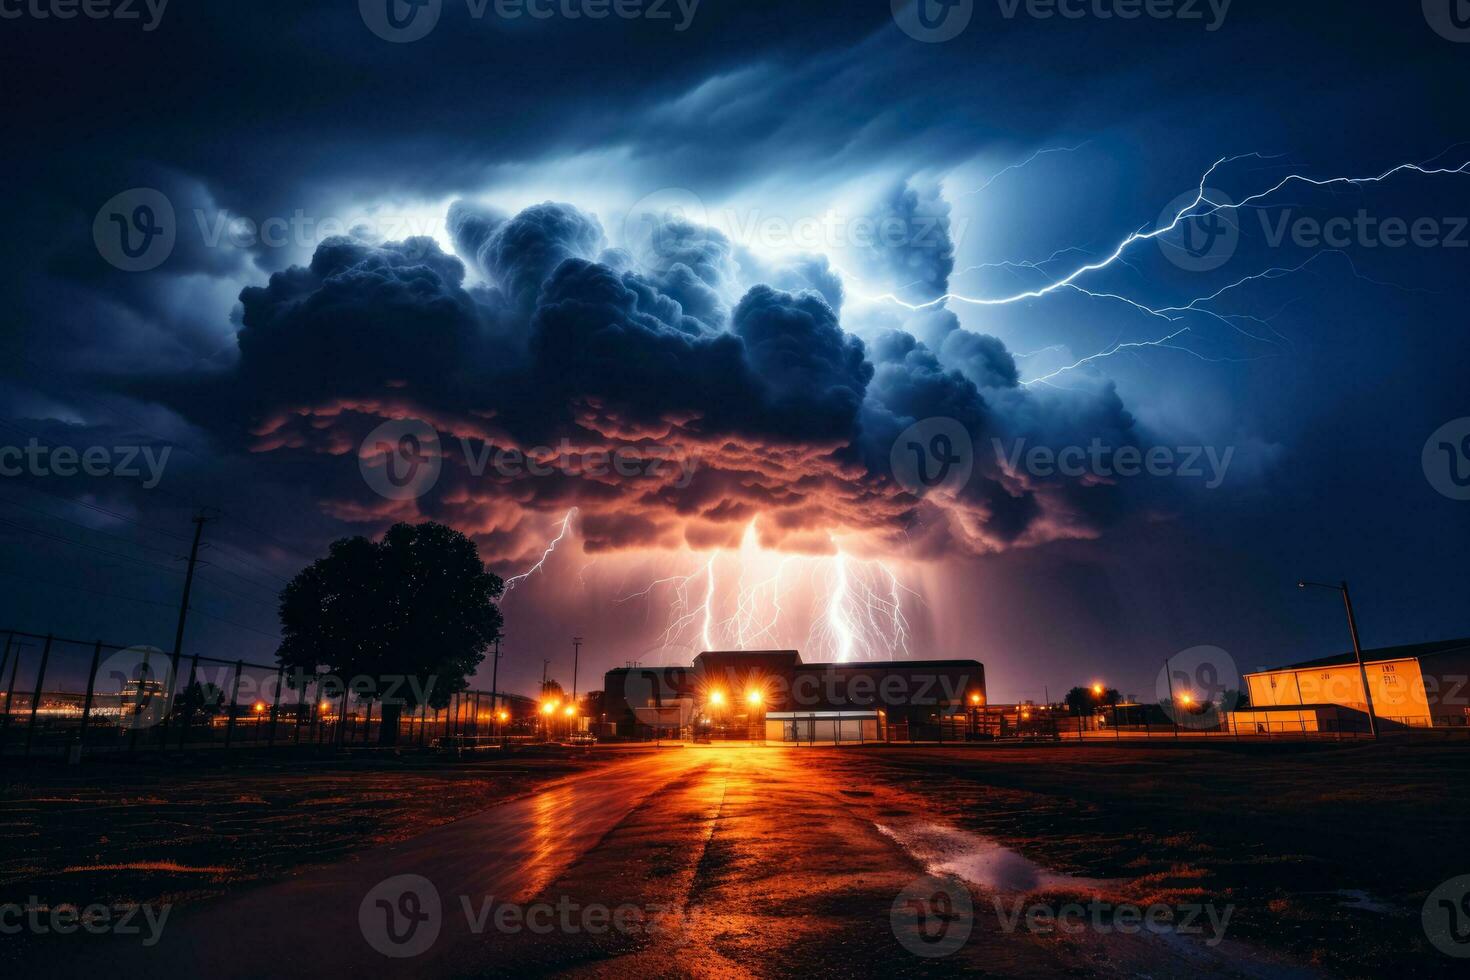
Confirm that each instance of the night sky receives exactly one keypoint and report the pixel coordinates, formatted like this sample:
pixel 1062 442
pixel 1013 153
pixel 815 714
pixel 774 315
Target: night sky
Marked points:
pixel 655 236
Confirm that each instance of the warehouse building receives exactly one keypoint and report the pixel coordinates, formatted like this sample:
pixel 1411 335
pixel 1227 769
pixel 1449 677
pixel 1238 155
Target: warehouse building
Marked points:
pixel 1421 686
pixel 773 695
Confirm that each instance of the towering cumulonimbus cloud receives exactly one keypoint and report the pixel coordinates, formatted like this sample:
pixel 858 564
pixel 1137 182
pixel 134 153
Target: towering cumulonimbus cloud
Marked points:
pixel 751 403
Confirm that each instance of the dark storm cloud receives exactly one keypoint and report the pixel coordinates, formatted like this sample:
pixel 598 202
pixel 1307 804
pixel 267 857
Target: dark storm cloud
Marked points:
pixel 910 244
pixel 788 417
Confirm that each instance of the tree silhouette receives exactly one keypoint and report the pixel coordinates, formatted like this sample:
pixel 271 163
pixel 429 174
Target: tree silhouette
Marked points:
pixel 1082 701
pixel 403 621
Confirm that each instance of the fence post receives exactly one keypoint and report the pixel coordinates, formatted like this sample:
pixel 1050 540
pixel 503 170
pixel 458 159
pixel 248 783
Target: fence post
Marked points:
pixel 87 704
pixel 10 694
pixel 300 702
pixel 188 719
pixel 276 705
pixel 234 696
pixel 5 657
pixel 36 699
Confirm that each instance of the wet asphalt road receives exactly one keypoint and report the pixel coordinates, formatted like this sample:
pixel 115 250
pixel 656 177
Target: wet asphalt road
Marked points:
pixel 708 861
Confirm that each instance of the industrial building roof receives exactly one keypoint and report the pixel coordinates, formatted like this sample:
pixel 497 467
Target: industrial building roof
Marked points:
pixel 1409 652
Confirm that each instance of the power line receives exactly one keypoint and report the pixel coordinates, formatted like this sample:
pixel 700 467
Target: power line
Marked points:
pixel 86 547
pixel 84 527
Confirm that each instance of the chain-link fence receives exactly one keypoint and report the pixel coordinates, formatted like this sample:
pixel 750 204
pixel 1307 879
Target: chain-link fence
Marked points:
pixel 68 698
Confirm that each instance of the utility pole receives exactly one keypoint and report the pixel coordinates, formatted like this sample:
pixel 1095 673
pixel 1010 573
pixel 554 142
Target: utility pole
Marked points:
pixel 173 670
pixel 495 687
pixel 544 664
pixel 1347 601
pixel 576 656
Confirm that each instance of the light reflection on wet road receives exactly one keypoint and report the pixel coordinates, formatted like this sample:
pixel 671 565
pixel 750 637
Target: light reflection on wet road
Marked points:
pixel 736 861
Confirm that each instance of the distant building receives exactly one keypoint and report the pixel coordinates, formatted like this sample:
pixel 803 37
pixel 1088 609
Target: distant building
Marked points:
pixel 1419 686
pixel 772 694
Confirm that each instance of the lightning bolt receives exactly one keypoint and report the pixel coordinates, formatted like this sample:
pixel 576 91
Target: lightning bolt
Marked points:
pixel 1025 163
pixel 1201 205
pixel 1186 213
pixel 566 524
pixel 857 609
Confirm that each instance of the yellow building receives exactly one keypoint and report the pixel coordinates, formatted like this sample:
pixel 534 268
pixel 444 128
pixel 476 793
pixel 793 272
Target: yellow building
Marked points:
pixel 1419 686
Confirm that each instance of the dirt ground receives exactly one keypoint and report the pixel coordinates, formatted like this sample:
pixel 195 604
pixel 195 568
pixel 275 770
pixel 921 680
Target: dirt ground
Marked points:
pixel 175 831
pixel 1325 852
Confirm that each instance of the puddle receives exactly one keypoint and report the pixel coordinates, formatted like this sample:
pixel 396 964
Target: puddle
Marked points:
pixel 1357 898
pixel 979 860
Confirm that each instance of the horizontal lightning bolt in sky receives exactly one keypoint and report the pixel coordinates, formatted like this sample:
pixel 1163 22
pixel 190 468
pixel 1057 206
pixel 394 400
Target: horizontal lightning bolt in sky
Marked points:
pixel 1201 205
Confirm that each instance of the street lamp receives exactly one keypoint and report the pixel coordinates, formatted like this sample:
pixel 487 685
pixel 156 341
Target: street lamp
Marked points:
pixel 1347 601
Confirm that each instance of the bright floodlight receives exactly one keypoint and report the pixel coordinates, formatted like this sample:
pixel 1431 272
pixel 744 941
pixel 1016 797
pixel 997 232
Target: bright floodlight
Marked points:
pixel 754 697
pixel 717 697
pixel 1097 689
pixel 570 711
pixel 547 707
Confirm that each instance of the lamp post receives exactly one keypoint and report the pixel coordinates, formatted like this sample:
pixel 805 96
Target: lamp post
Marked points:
pixel 1347 601
pixel 576 657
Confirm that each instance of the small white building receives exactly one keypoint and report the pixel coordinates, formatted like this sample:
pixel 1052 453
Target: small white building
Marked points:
pixel 829 727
